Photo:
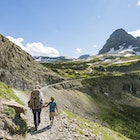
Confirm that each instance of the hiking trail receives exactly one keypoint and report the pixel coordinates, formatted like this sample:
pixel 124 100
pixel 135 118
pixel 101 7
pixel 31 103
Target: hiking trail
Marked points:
pixel 62 129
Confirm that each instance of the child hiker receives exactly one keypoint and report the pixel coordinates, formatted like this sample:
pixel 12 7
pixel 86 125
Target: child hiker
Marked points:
pixel 52 106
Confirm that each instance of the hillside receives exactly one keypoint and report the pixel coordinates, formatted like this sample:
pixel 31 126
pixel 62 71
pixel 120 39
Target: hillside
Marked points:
pixel 110 84
pixel 20 70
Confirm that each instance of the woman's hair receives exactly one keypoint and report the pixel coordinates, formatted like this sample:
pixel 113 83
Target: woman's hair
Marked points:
pixel 37 87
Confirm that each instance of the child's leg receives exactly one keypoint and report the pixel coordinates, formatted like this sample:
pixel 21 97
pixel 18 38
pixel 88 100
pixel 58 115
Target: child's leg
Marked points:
pixel 52 114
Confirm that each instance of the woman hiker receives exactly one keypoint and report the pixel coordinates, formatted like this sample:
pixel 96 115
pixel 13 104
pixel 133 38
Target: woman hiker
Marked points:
pixel 35 103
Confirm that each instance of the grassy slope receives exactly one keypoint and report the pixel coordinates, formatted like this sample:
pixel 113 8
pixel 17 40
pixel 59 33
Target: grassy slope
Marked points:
pixel 119 116
pixel 7 93
pixel 19 124
pixel 120 113
pixel 84 125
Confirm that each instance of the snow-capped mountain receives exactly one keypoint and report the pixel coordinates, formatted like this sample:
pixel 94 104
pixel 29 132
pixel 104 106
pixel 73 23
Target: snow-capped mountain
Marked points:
pixel 46 59
pixel 120 41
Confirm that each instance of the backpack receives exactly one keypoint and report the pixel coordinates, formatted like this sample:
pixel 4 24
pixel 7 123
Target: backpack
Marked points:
pixel 35 101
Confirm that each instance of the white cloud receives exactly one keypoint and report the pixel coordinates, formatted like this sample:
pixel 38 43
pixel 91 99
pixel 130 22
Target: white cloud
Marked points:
pixel 35 49
pixel 135 33
pixel 38 49
pixel 138 4
pixel 17 41
pixel 78 50
pixel 94 46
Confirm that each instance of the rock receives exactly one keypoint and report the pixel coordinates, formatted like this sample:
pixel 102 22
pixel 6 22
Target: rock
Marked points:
pixel 18 107
pixel 8 138
pixel 9 126
pixel 60 130
pixel 72 128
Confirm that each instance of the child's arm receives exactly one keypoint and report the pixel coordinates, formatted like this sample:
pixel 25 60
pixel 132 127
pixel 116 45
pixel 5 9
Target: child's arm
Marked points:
pixel 46 105
pixel 57 109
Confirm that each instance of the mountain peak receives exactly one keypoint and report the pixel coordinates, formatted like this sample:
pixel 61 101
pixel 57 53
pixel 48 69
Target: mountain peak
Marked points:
pixel 120 30
pixel 120 33
pixel 119 40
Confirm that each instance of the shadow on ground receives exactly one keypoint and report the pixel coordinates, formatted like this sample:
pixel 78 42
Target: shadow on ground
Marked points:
pixel 33 132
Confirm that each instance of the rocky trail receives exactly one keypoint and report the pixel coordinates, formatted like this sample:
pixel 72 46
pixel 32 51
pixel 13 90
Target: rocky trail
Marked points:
pixel 62 129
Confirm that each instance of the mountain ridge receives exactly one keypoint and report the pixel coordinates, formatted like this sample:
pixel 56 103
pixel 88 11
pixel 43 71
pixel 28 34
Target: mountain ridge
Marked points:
pixel 19 69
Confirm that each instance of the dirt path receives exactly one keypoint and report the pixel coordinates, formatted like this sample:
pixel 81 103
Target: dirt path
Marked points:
pixel 58 131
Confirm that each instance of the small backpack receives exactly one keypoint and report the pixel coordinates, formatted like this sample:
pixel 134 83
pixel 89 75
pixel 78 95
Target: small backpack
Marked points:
pixel 35 100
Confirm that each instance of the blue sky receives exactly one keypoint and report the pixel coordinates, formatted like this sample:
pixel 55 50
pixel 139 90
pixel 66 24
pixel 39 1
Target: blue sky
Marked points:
pixel 66 27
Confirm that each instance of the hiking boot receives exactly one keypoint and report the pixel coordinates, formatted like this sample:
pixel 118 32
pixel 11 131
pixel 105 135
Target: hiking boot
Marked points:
pixel 35 128
pixel 51 123
pixel 38 121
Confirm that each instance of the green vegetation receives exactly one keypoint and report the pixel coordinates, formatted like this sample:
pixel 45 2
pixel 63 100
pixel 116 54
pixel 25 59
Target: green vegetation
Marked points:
pixel 7 93
pixel 84 125
pixel 97 66
pixel 76 69
pixel 120 111
pixel 124 119
pixel 10 112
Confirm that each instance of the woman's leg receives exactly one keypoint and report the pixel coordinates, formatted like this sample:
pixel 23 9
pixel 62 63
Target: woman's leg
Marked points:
pixel 39 113
pixel 35 117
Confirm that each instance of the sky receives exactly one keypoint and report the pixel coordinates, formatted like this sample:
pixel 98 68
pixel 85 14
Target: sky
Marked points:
pixel 66 27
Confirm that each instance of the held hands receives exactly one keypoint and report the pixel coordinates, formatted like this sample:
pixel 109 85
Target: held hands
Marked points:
pixel 44 106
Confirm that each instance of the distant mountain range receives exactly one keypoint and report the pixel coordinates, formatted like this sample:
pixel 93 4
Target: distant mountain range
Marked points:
pixel 120 41
pixel 46 59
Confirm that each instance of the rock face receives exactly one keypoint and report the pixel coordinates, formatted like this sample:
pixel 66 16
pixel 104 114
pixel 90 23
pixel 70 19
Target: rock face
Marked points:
pixel 19 69
pixel 113 87
pixel 120 40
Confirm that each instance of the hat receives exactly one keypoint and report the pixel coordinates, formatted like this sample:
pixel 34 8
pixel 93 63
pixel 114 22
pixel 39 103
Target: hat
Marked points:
pixel 52 98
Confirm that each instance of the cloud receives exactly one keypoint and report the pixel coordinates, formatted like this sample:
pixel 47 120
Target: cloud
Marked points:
pixel 135 33
pixel 94 46
pixel 138 4
pixel 38 49
pixel 35 49
pixel 78 50
pixel 17 41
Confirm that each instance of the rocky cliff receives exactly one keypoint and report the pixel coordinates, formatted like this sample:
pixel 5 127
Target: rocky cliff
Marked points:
pixel 19 69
